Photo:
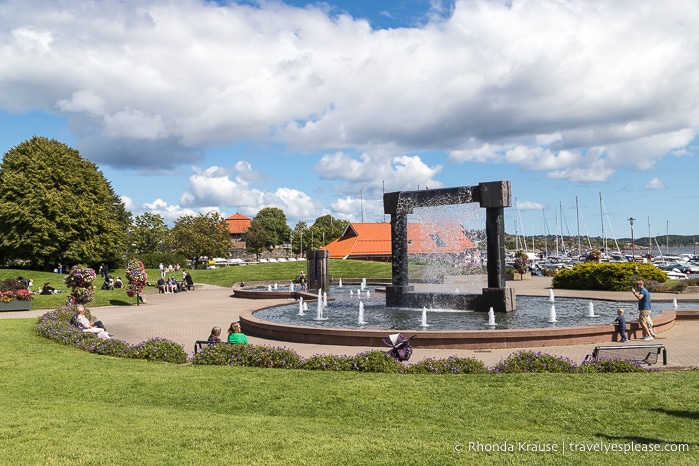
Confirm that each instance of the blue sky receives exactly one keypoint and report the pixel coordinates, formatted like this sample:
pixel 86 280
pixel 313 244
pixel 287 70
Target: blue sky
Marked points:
pixel 318 107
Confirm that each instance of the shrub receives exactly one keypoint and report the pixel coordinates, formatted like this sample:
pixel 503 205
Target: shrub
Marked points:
pixel 606 276
pixel 328 362
pixel 609 365
pixel 159 349
pixel 375 361
pixel 450 365
pixel 215 355
pixel 264 356
pixel 57 326
pixel 528 361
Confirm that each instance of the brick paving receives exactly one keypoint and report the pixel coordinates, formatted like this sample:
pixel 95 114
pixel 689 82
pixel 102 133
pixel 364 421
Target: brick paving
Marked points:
pixel 187 317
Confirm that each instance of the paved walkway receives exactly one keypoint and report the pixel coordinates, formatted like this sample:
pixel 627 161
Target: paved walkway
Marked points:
pixel 187 317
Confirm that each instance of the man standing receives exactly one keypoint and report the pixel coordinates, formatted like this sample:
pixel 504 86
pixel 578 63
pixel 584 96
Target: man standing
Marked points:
pixel 644 310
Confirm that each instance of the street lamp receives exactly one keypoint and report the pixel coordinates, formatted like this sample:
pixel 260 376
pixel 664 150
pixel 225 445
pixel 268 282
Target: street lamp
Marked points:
pixel 633 248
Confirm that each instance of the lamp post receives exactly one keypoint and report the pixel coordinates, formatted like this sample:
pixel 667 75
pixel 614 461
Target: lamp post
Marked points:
pixel 633 248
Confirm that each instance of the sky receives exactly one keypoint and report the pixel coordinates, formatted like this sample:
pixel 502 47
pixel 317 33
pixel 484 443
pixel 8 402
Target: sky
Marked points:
pixel 589 108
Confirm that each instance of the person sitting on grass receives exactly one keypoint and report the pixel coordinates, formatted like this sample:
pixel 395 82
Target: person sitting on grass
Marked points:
pixel 47 289
pixel 235 335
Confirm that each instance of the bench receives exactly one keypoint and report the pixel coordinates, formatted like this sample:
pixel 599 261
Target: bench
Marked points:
pixel 647 354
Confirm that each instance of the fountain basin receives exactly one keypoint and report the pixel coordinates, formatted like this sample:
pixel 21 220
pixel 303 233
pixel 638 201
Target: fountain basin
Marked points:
pixel 459 339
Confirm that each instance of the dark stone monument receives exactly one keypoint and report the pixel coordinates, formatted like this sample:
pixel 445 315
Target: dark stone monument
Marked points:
pixel 494 197
pixel 318 271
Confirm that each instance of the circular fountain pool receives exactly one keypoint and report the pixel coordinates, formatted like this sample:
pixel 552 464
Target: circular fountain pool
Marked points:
pixel 532 312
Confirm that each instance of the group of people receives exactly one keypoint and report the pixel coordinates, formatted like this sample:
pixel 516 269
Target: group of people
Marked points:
pixel 642 294
pixel 235 335
pixel 170 284
pixel 110 283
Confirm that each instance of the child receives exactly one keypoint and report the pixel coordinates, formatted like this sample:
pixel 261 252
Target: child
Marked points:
pixel 621 321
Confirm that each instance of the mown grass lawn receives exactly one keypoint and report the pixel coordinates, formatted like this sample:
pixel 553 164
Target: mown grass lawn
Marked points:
pixel 283 272
pixel 63 406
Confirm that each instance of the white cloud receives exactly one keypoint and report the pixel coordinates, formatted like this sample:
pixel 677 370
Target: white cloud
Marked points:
pixel 574 91
pixel 519 74
pixel 655 183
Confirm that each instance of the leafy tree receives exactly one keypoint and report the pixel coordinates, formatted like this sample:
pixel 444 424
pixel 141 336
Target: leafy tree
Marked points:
pixel 269 229
pixel 149 233
pixel 56 206
pixel 326 229
pixel 258 238
pixel 199 236
pixel 301 236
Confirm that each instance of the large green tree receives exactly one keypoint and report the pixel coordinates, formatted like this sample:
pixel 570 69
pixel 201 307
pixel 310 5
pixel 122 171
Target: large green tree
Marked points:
pixel 203 235
pixel 269 229
pixel 149 233
pixel 56 206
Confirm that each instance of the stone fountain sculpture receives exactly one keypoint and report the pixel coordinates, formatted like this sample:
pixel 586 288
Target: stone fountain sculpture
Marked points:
pixel 494 197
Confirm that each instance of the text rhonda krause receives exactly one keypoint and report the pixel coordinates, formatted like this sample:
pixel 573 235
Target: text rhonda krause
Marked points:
pixel 572 447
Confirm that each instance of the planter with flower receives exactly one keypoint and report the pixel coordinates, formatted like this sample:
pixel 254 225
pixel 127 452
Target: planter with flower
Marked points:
pixel 14 296
pixel 521 270
pixel 138 279
pixel 79 280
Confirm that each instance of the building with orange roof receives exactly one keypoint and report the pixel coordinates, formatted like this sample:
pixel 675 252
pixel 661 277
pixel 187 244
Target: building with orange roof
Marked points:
pixel 238 225
pixel 372 241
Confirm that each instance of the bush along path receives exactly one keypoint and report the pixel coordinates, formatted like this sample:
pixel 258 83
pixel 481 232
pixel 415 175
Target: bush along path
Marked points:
pixel 57 326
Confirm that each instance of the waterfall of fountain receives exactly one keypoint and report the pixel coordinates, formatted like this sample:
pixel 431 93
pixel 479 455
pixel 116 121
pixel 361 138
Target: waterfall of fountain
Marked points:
pixel 301 306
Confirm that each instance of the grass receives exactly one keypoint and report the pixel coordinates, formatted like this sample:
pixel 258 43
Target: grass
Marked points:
pixel 64 406
pixel 224 276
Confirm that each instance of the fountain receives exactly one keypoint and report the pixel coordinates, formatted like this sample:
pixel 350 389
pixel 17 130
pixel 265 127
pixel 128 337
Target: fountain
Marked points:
pixel 459 309
pixel 552 315
pixel 368 296
pixel 491 318
pixel 276 287
pixel 591 310
pixel 552 298
pixel 424 318
pixel 351 293
pixel 291 287
pixel 361 320
pixel 301 306
pixel 269 287
pixel 320 307
pixel 340 283
pixel 674 303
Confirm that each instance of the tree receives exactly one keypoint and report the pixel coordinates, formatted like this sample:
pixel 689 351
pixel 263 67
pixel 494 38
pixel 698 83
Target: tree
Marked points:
pixel 267 229
pixel 149 233
pixel 258 238
pixel 275 221
pixel 204 235
pixel 56 206
pixel 326 229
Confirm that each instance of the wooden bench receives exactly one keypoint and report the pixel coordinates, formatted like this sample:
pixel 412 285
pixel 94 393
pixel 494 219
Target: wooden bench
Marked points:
pixel 647 354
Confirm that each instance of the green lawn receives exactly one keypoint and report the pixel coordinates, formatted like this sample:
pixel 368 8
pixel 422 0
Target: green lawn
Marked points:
pixel 63 406
pixel 224 276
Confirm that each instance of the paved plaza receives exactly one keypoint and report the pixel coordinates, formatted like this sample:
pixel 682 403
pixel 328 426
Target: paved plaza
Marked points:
pixel 187 317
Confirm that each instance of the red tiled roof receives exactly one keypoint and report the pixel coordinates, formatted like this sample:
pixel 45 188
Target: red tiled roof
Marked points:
pixel 374 240
pixel 238 224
